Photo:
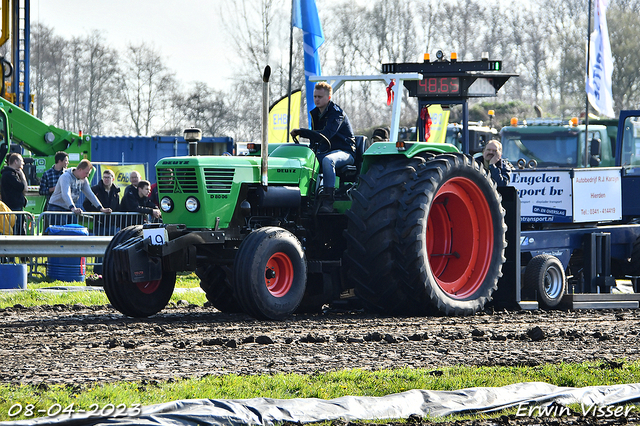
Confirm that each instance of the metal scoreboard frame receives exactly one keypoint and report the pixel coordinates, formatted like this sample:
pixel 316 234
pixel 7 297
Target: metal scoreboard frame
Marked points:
pixel 452 82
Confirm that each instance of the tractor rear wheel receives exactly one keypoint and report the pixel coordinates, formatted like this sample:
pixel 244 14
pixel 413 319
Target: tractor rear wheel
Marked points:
pixel 270 273
pixel 426 235
pixel 140 299
pixel 372 237
pixel 214 280
pixel 545 276
pixel 452 237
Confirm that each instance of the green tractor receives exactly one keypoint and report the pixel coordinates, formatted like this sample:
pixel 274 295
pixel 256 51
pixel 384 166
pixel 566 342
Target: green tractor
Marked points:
pixel 419 230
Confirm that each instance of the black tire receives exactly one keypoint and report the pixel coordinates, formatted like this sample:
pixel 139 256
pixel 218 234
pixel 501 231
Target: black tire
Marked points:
pixel 372 237
pixel 545 276
pixel 138 300
pixel 633 268
pixel 217 286
pixel 444 246
pixel 109 276
pixel 270 273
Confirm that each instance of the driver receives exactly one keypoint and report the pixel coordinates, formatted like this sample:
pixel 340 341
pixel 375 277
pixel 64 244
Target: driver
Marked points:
pixel 330 120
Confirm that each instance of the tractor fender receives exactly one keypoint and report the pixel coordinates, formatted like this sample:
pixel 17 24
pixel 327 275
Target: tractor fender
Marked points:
pixel 377 150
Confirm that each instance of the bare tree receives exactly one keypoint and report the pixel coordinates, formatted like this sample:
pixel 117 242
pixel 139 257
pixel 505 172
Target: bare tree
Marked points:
pixel 206 109
pixel 145 86
pixel 100 75
pixel 624 30
pixel 462 26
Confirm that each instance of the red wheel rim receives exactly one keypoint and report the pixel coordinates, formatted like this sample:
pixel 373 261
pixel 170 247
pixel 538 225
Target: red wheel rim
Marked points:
pixel 278 274
pixel 459 237
pixel 148 287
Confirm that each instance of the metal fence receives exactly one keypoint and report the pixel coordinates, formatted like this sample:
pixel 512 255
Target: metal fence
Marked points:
pixel 32 240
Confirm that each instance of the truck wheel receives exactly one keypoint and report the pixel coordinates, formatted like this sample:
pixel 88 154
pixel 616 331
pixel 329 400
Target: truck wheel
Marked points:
pixel 270 273
pixel 544 274
pixel 372 237
pixel 137 300
pixel 452 237
pixel 216 285
pixel 633 268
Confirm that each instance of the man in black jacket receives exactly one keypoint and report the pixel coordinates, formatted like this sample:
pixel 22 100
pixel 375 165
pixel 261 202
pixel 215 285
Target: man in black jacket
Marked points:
pixel 330 120
pixel 109 195
pixel 139 201
pixel 492 161
pixel 13 187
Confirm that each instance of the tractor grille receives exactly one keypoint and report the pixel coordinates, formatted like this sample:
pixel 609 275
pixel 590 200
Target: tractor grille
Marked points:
pixel 218 181
pixel 179 180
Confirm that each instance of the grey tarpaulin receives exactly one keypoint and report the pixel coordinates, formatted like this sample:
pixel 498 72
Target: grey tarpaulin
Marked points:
pixel 266 411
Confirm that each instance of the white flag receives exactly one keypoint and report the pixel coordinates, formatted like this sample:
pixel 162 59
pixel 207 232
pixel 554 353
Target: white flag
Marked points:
pixel 600 64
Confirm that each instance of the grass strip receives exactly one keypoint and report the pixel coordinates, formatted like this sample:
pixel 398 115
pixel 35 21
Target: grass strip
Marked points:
pixel 325 386
pixel 33 297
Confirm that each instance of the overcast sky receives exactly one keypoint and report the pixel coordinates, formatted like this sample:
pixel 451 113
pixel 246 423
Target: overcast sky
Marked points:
pixel 187 33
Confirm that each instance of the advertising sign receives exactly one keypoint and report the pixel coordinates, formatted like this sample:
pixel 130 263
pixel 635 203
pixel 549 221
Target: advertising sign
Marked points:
pixel 545 195
pixel 578 195
pixel 439 122
pixel 597 195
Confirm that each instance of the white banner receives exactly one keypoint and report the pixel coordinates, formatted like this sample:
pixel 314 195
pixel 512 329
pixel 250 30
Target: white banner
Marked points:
pixel 545 196
pixel 597 195
pixel 600 64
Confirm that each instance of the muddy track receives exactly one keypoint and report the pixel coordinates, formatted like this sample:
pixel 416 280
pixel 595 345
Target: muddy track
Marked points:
pixel 84 345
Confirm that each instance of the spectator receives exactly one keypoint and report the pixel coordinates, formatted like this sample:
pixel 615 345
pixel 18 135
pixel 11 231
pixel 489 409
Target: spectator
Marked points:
pixel 68 189
pixel 13 188
pixel 109 195
pixel 134 179
pixel 154 194
pixel 139 201
pixel 492 161
pixel 51 176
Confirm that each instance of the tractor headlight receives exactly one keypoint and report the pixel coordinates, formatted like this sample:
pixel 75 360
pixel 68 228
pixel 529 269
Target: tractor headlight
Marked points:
pixel 192 204
pixel 166 204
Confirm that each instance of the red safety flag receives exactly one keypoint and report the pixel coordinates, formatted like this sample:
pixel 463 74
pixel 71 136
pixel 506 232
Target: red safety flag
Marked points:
pixel 426 119
pixel 390 92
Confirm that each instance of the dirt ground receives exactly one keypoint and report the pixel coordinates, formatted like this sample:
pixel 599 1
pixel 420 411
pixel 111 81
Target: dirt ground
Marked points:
pixel 85 345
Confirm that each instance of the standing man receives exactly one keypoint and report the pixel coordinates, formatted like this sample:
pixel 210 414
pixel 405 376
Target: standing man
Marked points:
pixel 134 178
pixel 139 201
pixel 492 161
pixel 330 120
pixel 68 189
pixel 109 195
pixel 51 176
pixel 13 187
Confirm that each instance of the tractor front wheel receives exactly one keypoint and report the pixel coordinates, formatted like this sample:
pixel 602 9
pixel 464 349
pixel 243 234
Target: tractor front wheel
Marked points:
pixel 141 299
pixel 214 280
pixel 270 273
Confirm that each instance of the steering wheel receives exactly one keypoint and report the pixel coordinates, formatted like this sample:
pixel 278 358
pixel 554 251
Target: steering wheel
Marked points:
pixel 318 142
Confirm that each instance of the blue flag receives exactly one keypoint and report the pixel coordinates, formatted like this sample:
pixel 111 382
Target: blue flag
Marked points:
pixel 305 16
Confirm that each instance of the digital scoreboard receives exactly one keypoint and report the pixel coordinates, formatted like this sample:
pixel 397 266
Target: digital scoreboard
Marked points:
pixel 435 86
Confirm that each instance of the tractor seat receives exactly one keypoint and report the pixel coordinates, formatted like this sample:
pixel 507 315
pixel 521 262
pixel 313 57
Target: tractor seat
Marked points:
pixel 350 173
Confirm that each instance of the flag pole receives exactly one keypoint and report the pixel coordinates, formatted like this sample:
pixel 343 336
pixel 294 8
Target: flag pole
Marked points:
pixel 291 73
pixel 586 111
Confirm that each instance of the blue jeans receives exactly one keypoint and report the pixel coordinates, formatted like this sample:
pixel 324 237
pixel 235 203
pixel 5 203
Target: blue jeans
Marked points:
pixel 329 163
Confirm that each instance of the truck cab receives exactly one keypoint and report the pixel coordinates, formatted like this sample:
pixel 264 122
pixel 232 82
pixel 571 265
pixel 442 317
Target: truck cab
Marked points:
pixel 556 143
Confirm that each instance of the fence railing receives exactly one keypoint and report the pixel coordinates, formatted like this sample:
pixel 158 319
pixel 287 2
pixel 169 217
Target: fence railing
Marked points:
pixel 32 240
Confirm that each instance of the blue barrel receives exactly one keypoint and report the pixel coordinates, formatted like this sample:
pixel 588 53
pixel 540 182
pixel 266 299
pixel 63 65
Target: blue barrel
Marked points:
pixel 67 269
pixel 13 275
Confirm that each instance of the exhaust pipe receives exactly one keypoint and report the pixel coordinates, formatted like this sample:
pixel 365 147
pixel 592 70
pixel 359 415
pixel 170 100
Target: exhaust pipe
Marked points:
pixel 265 126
